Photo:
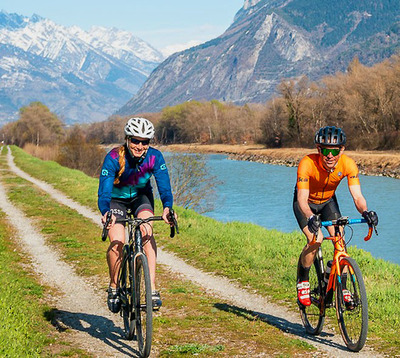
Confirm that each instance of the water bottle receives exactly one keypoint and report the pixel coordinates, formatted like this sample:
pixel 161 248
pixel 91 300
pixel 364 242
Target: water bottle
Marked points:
pixel 328 271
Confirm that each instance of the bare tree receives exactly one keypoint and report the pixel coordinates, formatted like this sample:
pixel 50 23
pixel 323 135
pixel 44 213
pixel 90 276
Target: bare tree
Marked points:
pixel 192 185
pixel 36 125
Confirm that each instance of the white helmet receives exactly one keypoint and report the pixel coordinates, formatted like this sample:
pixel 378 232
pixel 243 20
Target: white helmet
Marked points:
pixel 139 127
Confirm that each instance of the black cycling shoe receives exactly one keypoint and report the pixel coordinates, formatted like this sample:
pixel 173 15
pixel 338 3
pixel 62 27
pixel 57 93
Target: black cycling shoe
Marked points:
pixel 156 299
pixel 113 300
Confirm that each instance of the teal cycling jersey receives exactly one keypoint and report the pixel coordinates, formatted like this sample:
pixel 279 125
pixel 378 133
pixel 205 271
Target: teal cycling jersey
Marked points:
pixel 134 179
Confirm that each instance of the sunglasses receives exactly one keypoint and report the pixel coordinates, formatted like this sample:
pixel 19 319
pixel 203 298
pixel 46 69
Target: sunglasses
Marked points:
pixel 137 141
pixel 325 151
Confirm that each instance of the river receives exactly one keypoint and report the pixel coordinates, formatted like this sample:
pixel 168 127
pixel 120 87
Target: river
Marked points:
pixel 262 194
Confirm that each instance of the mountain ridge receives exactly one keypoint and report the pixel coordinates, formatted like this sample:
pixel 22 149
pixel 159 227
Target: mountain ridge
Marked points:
pixel 270 40
pixel 83 76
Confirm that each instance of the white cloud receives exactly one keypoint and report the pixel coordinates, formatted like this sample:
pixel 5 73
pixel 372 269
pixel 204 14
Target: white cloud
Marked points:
pixel 170 49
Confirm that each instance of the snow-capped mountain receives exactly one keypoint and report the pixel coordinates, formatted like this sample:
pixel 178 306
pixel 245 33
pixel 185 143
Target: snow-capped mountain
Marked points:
pixel 82 76
pixel 270 40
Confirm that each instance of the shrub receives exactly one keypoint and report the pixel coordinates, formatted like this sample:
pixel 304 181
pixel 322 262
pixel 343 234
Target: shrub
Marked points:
pixel 76 153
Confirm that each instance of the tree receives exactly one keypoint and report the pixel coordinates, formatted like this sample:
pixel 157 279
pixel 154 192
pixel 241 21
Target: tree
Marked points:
pixel 76 153
pixel 192 185
pixel 273 123
pixel 36 125
pixel 295 95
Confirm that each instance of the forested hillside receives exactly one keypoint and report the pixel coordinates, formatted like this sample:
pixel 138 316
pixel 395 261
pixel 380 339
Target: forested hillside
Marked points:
pixel 364 101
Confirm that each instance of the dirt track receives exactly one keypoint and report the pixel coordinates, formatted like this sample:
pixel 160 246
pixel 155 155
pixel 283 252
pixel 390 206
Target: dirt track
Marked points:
pixel 83 309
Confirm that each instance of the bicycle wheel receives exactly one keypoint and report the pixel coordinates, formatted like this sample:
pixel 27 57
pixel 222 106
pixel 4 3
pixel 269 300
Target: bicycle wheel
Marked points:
pixel 126 294
pixel 352 315
pixel 143 306
pixel 313 316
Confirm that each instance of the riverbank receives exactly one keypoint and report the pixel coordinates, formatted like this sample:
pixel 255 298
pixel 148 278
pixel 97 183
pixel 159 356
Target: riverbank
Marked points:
pixel 370 163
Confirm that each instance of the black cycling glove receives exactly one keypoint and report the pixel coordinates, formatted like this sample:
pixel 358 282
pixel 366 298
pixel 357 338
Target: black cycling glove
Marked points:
pixel 371 217
pixel 314 223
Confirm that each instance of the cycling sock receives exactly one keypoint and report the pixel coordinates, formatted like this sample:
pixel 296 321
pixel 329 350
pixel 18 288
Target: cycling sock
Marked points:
pixel 303 273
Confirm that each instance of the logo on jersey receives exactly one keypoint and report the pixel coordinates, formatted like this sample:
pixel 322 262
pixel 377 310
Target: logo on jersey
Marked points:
pixel 354 177
pixel 104 172
pixel 303 180
pixel 340 174
pixel 163 167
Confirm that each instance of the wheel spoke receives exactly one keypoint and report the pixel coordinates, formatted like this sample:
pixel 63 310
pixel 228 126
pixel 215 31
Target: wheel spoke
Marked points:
pixel 352 308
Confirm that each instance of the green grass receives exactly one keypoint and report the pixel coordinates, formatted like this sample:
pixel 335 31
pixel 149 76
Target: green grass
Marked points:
pixel 23 327
pixel 79 188
pixel 68 231
pixel 192 349
pixel 259 259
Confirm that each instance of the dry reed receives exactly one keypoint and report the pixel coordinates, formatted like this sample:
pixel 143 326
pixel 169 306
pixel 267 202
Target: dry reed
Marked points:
pixel 42 152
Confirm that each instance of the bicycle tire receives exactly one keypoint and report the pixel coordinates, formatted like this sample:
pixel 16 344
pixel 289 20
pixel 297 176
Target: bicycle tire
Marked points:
pixel 143 305
pixel 313 316
pixel 353 318
pixel 127 294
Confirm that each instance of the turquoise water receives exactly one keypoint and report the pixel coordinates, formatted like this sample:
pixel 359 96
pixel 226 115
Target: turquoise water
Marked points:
pixel 262 194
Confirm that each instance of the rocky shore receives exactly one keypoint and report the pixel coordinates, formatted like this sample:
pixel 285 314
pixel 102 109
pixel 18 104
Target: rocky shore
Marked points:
pixel 367 169
pixel 370 163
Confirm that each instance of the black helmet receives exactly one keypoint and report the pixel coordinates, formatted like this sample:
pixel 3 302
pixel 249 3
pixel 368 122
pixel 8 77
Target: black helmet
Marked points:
pixel 330 135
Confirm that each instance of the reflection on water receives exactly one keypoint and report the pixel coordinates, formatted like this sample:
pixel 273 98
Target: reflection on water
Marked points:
pixel 263 194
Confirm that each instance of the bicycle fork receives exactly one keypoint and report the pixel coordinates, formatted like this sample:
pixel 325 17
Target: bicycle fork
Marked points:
pixel 124 270
pixel 322 285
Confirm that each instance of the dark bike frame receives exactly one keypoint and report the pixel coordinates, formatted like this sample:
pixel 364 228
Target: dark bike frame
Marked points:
pixel 134 267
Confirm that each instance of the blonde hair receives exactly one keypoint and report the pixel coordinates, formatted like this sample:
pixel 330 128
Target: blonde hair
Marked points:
pixel 121 161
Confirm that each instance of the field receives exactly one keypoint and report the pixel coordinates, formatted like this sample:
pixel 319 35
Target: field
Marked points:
pixel 261 260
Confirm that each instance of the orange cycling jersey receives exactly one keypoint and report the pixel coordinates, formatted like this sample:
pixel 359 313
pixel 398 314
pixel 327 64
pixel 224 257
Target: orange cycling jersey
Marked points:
pixel 321 183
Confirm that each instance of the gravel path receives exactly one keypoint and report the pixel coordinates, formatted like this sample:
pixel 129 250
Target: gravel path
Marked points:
pixel 97 330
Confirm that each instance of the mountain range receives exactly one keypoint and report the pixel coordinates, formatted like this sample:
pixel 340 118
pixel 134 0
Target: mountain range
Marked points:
pixel 270 40
pixel 83 76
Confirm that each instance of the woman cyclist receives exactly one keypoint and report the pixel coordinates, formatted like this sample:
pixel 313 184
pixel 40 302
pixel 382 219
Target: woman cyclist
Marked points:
pixel 125 183
pixel 318 176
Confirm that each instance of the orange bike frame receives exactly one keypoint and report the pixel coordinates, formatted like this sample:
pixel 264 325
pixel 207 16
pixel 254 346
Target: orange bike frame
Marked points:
pixel 339 252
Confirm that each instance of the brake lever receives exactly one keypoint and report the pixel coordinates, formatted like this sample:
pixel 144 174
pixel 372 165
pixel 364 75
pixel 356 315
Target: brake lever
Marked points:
pixel 174 226
pixel 370 228
pixel 105 226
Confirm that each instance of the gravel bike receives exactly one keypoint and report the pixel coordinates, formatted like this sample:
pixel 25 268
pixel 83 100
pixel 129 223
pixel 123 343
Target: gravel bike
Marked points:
pixel 134 281
pixel 341 282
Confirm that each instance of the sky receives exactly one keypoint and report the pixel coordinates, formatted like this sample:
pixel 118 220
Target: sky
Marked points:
pixel 167 25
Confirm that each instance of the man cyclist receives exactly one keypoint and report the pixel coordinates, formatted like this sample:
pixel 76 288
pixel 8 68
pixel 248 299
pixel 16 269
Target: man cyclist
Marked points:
pixel 125 183
pixel 318 176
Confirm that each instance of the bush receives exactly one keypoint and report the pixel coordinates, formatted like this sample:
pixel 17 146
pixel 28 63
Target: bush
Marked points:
pixel 76 153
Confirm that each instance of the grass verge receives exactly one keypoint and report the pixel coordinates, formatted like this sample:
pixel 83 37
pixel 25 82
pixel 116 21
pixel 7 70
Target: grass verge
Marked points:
pixel 23 329
pixel 260 259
